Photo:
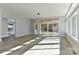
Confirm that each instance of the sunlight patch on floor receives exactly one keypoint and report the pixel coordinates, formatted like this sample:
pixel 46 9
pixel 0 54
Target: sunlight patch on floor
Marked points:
pixel 50 41
pixel 48 46
pixel 15 48
pixel 5 53
pixel 43 52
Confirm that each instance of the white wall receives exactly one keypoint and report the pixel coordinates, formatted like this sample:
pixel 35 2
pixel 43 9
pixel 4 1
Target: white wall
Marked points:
pixel 23 27
pixel 62 25
pixel 32 26
pixel 4 27
pixel 0 25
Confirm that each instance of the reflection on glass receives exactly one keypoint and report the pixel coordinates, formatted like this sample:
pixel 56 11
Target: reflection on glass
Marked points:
pixel 50 27
pixel 36 26
pixel 74 26
pixel 10 28
pixel 56 27
pixel 43 27
pixel 69 26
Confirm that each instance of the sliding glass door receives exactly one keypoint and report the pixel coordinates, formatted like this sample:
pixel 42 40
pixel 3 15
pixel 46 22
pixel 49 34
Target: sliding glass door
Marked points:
pixel 43 28
pixel 50 29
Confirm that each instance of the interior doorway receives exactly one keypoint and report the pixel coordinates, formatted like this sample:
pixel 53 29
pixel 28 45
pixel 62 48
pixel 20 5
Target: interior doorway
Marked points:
pixel 11 31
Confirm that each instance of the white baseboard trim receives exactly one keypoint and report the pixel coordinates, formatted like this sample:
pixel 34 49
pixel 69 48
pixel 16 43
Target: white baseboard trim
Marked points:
pixel 21 35
pixel 73 37
pixel 6 36
pixel 18 35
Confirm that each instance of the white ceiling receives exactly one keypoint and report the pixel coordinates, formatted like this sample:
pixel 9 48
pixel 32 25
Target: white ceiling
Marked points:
pixel 29 10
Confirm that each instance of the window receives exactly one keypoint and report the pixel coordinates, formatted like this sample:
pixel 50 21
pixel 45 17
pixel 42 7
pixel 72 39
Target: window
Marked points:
pixel 10 28
pixel 74 26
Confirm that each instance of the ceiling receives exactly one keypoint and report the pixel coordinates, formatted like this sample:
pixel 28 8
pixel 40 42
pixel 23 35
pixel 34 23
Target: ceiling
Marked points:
pixel 30 10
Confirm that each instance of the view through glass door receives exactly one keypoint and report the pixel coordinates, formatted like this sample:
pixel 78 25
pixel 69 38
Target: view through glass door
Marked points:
pixel 51 29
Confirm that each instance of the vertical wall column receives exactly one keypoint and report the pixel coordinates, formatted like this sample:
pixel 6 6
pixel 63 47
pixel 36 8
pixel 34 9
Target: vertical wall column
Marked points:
pixel 38 28
pixel 0 25
pixel 62 26
pixel 78 25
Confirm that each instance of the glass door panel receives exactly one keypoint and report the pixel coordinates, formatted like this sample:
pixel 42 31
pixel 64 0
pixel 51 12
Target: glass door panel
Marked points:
pixel 44 27
pixel 36 30
pixel 50 29
pixel 56 27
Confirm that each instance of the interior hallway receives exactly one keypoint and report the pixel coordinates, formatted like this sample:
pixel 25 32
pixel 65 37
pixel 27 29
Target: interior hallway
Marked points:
pixel 39 29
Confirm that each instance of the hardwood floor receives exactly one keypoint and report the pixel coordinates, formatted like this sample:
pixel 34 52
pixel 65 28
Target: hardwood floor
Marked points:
pixel 66 48
pixel 22 44
pixel 18 41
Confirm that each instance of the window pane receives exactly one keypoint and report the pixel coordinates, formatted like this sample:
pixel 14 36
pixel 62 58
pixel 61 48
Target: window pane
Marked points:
pixel 36 26
pixel 43 27
pixel 56 27
pixel 10 27
pixel 74 26
pixel 69 27
pixel 50 27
